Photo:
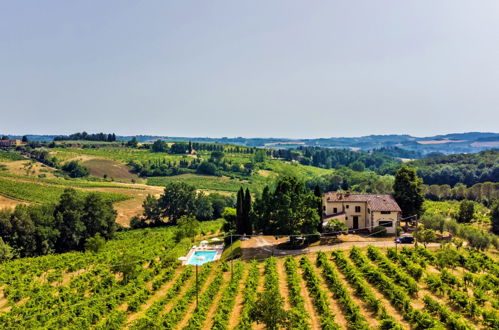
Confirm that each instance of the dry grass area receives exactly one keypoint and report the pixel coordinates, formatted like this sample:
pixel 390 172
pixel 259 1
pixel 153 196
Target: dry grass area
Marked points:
pixel 9 203
pixel 131 207
pixel 100 167
pixel 28 168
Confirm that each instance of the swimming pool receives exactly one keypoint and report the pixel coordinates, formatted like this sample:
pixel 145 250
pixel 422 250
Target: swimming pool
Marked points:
pixel 208 256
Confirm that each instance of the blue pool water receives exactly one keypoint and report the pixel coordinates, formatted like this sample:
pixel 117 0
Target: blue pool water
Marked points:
pixel 208 257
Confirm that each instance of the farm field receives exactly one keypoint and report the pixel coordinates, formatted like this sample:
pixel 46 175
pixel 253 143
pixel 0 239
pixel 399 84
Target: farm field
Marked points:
pixel 352 289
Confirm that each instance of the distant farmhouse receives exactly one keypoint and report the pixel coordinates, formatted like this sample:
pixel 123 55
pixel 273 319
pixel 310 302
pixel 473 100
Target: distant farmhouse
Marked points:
pixel 362 211
pixel 10 143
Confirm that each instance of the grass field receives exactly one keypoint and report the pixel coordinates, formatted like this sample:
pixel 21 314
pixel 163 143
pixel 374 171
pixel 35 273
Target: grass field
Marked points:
pixel 352 289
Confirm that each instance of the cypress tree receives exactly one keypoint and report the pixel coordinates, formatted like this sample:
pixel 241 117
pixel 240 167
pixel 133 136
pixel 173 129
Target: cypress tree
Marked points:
pixel 248 228
pixel 318 194
pixel 240 212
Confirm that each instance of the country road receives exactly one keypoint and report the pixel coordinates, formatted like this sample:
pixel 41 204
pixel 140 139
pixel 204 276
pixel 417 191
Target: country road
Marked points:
pixel 263 246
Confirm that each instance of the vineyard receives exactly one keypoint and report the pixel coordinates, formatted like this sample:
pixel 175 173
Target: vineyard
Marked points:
pixel 136 282
pixel 46 193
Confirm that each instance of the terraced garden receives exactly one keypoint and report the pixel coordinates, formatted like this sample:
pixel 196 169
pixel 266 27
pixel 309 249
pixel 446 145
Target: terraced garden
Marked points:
pixel 356 289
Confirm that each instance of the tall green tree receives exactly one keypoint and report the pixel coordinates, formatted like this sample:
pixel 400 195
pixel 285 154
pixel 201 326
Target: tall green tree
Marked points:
pixel 291 209
pixel 466 211
pixel 177 200
pixel 318 193
pixel 151 209
pixel 240 212
pixel 247 223
pixel 494 214
pixel 408 191
pixel 5 251
pixel 68 216
pixel 99 216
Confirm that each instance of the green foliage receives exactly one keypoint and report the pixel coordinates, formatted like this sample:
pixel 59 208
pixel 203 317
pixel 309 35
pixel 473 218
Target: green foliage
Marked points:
pixel 188 227
pixel 460 168
pixel 340 292
pixel 337 226
pixel 75 170
pixel 226 305
pixel 159 146
pixel 5 251
pixel 289 209
pixel 494 214
pixel 299 319
pixel 466 211
pixel 10 156
pixel 95 244
pixel 379 231
pixel 408 191
pixel 318 295
pixel 43 193
pixel 269 307
pixel 425 235
pixel 177 200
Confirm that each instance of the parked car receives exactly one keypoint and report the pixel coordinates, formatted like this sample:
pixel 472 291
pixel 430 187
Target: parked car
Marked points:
pixel 404 240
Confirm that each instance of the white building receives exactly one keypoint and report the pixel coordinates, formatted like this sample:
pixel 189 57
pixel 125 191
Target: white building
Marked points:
pixel 362 211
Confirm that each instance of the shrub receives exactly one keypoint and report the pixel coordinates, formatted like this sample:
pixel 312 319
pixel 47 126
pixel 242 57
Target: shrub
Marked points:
pixel 379 231
pixel 95 244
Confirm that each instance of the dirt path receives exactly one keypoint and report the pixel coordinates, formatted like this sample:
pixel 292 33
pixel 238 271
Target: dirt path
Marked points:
pixel 191 309
pixel 283 286
pixel 238 305
pixel 315 320
pixel 216 301
pixel 364 309
pixel 260 288
pixel 390 309
pixel 265 246
pixel 10 203
pixel 156 296
pixel 334 306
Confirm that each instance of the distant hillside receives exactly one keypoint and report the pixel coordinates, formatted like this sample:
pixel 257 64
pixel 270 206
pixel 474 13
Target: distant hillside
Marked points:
pixel 463 168
pixel 470 142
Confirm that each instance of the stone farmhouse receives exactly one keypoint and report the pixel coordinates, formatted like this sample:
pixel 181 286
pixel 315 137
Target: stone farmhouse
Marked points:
pixel 362 212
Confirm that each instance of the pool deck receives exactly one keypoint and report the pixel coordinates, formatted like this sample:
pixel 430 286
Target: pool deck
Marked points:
pixel 218 248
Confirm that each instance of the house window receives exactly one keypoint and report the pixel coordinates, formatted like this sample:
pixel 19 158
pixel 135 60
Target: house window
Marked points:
pixel 348 206
pixel 335 210
pixel 324 208
pixel 357 209
pixel 386 223
pixel 385 212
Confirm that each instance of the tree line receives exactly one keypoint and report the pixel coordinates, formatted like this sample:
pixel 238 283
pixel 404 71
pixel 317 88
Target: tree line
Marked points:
pixel 34 230
pixel 216 165
pixel 180 199
pixel 111 137
pixel 468 169
pixel 485 192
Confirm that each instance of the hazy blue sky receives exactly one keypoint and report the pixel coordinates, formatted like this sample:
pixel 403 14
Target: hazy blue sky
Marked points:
pixel 249 68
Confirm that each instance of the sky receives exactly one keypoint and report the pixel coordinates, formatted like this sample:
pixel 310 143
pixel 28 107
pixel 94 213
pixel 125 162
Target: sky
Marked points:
pixel 295 69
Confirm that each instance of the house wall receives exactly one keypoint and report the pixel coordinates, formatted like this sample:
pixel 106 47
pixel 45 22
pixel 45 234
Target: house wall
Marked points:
pixel 377 216
pixel 349 209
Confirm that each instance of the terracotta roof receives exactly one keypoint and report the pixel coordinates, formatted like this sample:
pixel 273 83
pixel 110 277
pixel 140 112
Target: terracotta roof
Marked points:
pixel 376 202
